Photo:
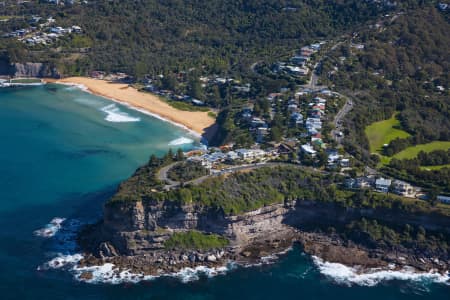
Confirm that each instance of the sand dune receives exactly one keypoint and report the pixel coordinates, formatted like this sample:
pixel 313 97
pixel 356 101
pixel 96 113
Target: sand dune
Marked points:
pixel 196 121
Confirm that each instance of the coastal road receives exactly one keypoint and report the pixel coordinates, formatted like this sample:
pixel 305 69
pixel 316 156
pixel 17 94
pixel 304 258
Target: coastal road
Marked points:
pixel 253 66
pixel 162 173
pixel 314 78
pixel 338 122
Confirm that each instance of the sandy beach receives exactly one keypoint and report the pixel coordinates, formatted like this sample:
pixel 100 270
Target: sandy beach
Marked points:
pixel 198 122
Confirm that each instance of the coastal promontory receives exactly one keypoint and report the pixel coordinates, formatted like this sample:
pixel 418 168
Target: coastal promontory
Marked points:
pixel 248 214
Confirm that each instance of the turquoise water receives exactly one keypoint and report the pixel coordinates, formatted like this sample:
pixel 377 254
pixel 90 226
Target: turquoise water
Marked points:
pixel 62 154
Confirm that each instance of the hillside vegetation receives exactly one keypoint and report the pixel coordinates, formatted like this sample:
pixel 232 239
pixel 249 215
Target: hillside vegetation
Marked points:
pixel 195 240
pixel 243 192
pixel 140 37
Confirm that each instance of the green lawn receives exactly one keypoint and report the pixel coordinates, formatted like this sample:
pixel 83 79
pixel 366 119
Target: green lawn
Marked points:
pixel 412 152
pixel 383 132
pixel 434 168
pixel 186 106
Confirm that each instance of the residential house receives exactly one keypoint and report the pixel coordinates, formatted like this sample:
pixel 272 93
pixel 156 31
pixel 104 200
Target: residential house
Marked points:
pixel 261 133
pixel 257 122
pixel 318 142
pixel 232 156
pixel 350 183
pixel 317 100
pixel 345 163
pixel 307 51
pixel 98 74
pixel 247 113
pixel 197 102
pixel 363 182
pixel 299 60
pixel 383 185
pixel 297 70
pixel 76 29
pixel 200 160
pixel 308 149
pixel 315 47
pixel 297 119
pixel 292 108
pixel 403 188
pixel 250 154
pixel 333 156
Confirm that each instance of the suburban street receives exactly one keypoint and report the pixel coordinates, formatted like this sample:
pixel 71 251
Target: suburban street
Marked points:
pixel 338 122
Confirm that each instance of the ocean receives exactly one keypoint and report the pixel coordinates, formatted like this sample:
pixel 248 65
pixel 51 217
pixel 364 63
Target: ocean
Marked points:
pixel 62 154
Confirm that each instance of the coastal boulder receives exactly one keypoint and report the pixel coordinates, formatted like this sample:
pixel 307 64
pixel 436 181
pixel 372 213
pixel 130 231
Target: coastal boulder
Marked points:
pixel 107 250
pixel 211 258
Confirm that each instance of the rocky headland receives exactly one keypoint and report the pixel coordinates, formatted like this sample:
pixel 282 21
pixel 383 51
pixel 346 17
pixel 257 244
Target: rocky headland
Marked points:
pixel 133 236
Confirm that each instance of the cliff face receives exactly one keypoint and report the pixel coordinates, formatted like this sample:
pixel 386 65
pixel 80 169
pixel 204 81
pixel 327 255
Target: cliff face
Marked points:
pixel 29 69
pixel 35 70
pixel 135 228
pixel 132 236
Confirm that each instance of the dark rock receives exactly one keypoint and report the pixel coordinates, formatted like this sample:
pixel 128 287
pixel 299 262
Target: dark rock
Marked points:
pixel 86 276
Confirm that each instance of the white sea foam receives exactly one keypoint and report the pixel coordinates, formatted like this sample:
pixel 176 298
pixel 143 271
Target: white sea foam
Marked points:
pixel 67 259
pixel 181 141
pixel 62 261
pixel 143 111
pixel 108 273
pixel 114 114
pixel 51 228
pixel 345 275
pixel 72 86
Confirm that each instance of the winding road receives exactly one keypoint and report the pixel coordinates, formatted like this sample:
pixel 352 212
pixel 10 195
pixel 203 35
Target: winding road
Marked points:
pixel 170 184
pixel 338 122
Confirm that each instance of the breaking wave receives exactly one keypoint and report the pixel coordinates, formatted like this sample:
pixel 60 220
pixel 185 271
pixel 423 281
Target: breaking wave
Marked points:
pixel 51 228
pixel 108 273
pixel 75 86
pixel 114 114
pixel 349 276
pixel 66 257
pixel 181 141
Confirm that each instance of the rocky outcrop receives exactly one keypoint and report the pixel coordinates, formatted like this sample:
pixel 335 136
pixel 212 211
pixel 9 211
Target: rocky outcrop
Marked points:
pixel 30 69
pixel 133 232
pixel 134 228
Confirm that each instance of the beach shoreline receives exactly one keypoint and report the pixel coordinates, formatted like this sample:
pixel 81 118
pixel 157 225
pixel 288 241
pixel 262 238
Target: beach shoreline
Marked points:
pixel 199 123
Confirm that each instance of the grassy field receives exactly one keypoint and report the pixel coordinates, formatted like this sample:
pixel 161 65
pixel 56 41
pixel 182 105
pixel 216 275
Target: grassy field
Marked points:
pixel 434 168
pixel 383 132
pixel 412 152
pixel 186 106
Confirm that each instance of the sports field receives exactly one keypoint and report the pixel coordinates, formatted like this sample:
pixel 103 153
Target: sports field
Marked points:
pixel 412 151
pixel 383 132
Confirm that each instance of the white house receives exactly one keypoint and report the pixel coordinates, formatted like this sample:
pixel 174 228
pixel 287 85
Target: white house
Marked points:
pixel 308 149
pixel 403 188
pixel 383 185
